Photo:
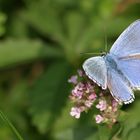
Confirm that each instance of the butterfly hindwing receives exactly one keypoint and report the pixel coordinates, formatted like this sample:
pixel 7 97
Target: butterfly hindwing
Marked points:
pixel 95 69
pixel 118 87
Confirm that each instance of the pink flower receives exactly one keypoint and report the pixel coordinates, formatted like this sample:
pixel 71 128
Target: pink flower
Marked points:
pixel 88 103
pixel 83 97
pixel 78 90
pixel 75 112
pixel 92 96
pixel 77 93
pixel 99 118
pixel 102 105
pixel 82 108
pixel 88 87
pixel 73 79
pixel 114 105
pixel 81 86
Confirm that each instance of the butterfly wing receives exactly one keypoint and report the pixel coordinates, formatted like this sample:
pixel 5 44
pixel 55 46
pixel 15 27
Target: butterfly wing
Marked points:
pixel 128 42
pixel 131 70
pixel 95 69
pixel 126 49
pixel 119 87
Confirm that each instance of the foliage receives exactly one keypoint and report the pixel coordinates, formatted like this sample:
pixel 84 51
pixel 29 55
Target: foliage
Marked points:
pixel 40 46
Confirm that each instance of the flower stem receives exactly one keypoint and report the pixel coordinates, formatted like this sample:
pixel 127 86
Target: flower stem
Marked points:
pixel 6 120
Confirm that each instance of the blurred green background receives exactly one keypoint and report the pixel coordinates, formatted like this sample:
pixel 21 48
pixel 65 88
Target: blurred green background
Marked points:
pixel 40 46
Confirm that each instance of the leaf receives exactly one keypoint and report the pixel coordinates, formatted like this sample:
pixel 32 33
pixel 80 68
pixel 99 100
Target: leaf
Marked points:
pixel 43 16
pixel 85 132
pixel 2 22
pixel 104 132
pixel 134 134
pixel 132 120
pixel 13 52
pixel 18 27
pixel 73 129
pixel 48 96
pixel 75 24
pixel 116 129
pixel 67 128
pixel 77 132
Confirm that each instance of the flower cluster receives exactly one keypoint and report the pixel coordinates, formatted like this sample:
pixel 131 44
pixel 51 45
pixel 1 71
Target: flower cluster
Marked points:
pixel 84 97
pixel 108 108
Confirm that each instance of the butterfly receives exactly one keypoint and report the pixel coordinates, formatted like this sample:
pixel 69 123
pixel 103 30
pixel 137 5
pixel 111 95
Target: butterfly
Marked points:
pixel 119 69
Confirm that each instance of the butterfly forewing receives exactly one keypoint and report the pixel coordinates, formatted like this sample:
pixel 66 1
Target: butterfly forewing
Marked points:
pixel 95 69
pixel 127 52
pixel 128 43
pixel 131 70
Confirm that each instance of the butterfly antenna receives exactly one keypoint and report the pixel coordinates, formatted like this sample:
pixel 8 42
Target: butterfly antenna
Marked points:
pixel 91 53
pixel 106 49
pixel 105 40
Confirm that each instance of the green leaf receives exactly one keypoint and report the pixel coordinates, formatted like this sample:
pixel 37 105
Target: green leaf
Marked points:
pixel 75 24
pixel 67 128
pixel 13 52
pixel 48 96
pixel 18 28
pixel 85 131
pixel 104 132
pixel 107 133
pixel 132 120
pixel 2 22
pixel 43 16
pixel 116 129
pixel 73 129
pixel 134 134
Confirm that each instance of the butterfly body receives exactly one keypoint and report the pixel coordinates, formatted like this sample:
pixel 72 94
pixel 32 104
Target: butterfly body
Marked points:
pixel 119 70
pixel 110 62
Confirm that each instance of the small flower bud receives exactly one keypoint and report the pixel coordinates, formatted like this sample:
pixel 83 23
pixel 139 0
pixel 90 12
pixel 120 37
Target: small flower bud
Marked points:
pixel 102 105
pixel 99 118
pixel 73 79
pixel 75 112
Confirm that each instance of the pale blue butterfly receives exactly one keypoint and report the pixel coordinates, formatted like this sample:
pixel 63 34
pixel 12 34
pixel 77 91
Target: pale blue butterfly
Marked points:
pixel 119 70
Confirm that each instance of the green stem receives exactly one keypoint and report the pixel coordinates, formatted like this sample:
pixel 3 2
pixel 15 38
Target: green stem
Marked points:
pixel 6 120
